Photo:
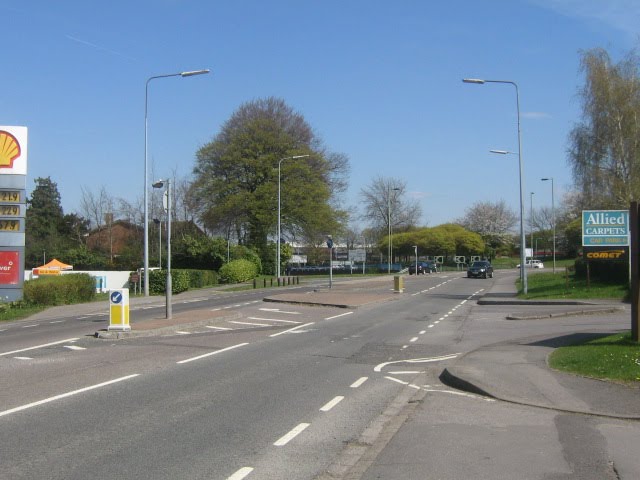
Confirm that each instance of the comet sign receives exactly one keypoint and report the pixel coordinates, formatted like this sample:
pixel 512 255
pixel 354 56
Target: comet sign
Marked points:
pixel 605 228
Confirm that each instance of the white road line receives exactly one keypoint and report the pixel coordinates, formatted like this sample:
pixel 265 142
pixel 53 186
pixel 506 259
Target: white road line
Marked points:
pixel 274 320
pixel 249 323
pixel 329 405
pixel 212 353
pixel 180 332
pixel 23 358
pixel 65 395
pixel 30 326
pixel 292 330
pixel 282 441
pixel 403 383
pixel 422 332
pixel 337 316
pixel 431 326
pixel 414 339
pixel 215 309
pixel 39 346
pixel 455 392
pixel 278 311
pixel 74 347
pixel 379 367
pixel 405 346
pixel 218 328
pixel 240 474
pixel 359 382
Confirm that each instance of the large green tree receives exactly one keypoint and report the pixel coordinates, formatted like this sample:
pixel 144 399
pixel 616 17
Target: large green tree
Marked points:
pixel 236 177
pixel 48 231
pixel 605 145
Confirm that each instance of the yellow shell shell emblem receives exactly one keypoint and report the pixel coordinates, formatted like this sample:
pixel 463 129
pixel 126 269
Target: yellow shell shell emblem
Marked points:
pixel 9 149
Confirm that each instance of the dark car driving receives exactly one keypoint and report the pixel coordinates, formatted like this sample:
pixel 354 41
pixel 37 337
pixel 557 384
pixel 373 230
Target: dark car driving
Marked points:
pixel 423 267
pixel 480 269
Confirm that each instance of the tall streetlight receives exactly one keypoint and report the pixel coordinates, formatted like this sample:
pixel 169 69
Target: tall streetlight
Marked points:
pixel 553 219
pixel 146 196
pixel 531 225
pixel 390 248
pixel 158 222
pixel 169 285
pixel 523 270
pixel 415 247
pixel 279 233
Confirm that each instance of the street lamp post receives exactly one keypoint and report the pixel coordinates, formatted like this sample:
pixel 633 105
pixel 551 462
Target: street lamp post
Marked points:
pixel 158 222
pixel 146 169
pixel 279 233
pixel 390 248
pixel 415 247
pixel 169 285
pixel 553 219
pixel 531 224
pixel 523 270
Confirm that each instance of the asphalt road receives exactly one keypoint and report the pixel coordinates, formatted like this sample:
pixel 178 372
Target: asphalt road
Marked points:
pixel 275 391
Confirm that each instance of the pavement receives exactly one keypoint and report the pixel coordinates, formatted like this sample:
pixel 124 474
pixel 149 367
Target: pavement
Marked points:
pixel 517 371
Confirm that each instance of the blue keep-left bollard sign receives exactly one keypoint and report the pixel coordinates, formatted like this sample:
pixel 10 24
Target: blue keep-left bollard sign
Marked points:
pixel 116 297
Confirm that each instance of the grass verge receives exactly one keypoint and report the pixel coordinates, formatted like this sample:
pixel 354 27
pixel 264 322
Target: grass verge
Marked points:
pixel 616 357
pixel 562 285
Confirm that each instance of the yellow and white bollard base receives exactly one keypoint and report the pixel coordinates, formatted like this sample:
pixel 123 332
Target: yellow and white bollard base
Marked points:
pixel 119 310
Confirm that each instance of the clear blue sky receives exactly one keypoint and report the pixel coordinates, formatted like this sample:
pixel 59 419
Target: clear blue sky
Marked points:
pixel 379 81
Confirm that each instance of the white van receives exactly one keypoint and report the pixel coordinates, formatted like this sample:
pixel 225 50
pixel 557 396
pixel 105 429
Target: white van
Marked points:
pixel 533 264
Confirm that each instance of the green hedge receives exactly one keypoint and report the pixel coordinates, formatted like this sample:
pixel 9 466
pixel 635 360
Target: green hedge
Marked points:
pixel 613 271
pixel 181 280
pixel 238 271
pixel 60 290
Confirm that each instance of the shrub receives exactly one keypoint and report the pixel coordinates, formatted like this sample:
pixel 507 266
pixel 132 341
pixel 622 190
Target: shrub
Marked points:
pixel 238 271
pixel 158 281
pixel 202 278
pixel 60 290
pixel 606 271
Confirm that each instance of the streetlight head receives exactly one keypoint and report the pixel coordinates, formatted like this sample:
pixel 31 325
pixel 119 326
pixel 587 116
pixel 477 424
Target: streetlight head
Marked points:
pixel 500 152
pixel 545 179
pixel 473 80
pixel 158 184
pixel 300 156
pixel 194 72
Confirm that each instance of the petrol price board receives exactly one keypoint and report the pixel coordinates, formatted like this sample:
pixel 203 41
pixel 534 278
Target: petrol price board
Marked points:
pixel 13 173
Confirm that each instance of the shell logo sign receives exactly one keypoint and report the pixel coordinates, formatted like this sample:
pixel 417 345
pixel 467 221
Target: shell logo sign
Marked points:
pixel 13 150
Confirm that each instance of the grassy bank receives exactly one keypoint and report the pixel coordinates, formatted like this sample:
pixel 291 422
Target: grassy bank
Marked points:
pixel 616 357
pixel 562 285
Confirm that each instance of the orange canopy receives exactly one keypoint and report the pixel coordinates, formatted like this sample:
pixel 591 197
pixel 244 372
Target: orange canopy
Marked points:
pixel 57 265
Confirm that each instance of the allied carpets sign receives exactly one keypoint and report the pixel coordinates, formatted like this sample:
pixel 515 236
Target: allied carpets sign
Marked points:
pixel 605 228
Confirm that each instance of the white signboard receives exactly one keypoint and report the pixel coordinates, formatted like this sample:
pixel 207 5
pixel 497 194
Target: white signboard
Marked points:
pixel 357 255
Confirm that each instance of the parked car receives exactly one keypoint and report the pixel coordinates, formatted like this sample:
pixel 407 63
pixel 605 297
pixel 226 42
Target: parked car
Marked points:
pixel 423 267
pixel 480 269
pixel 533 264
